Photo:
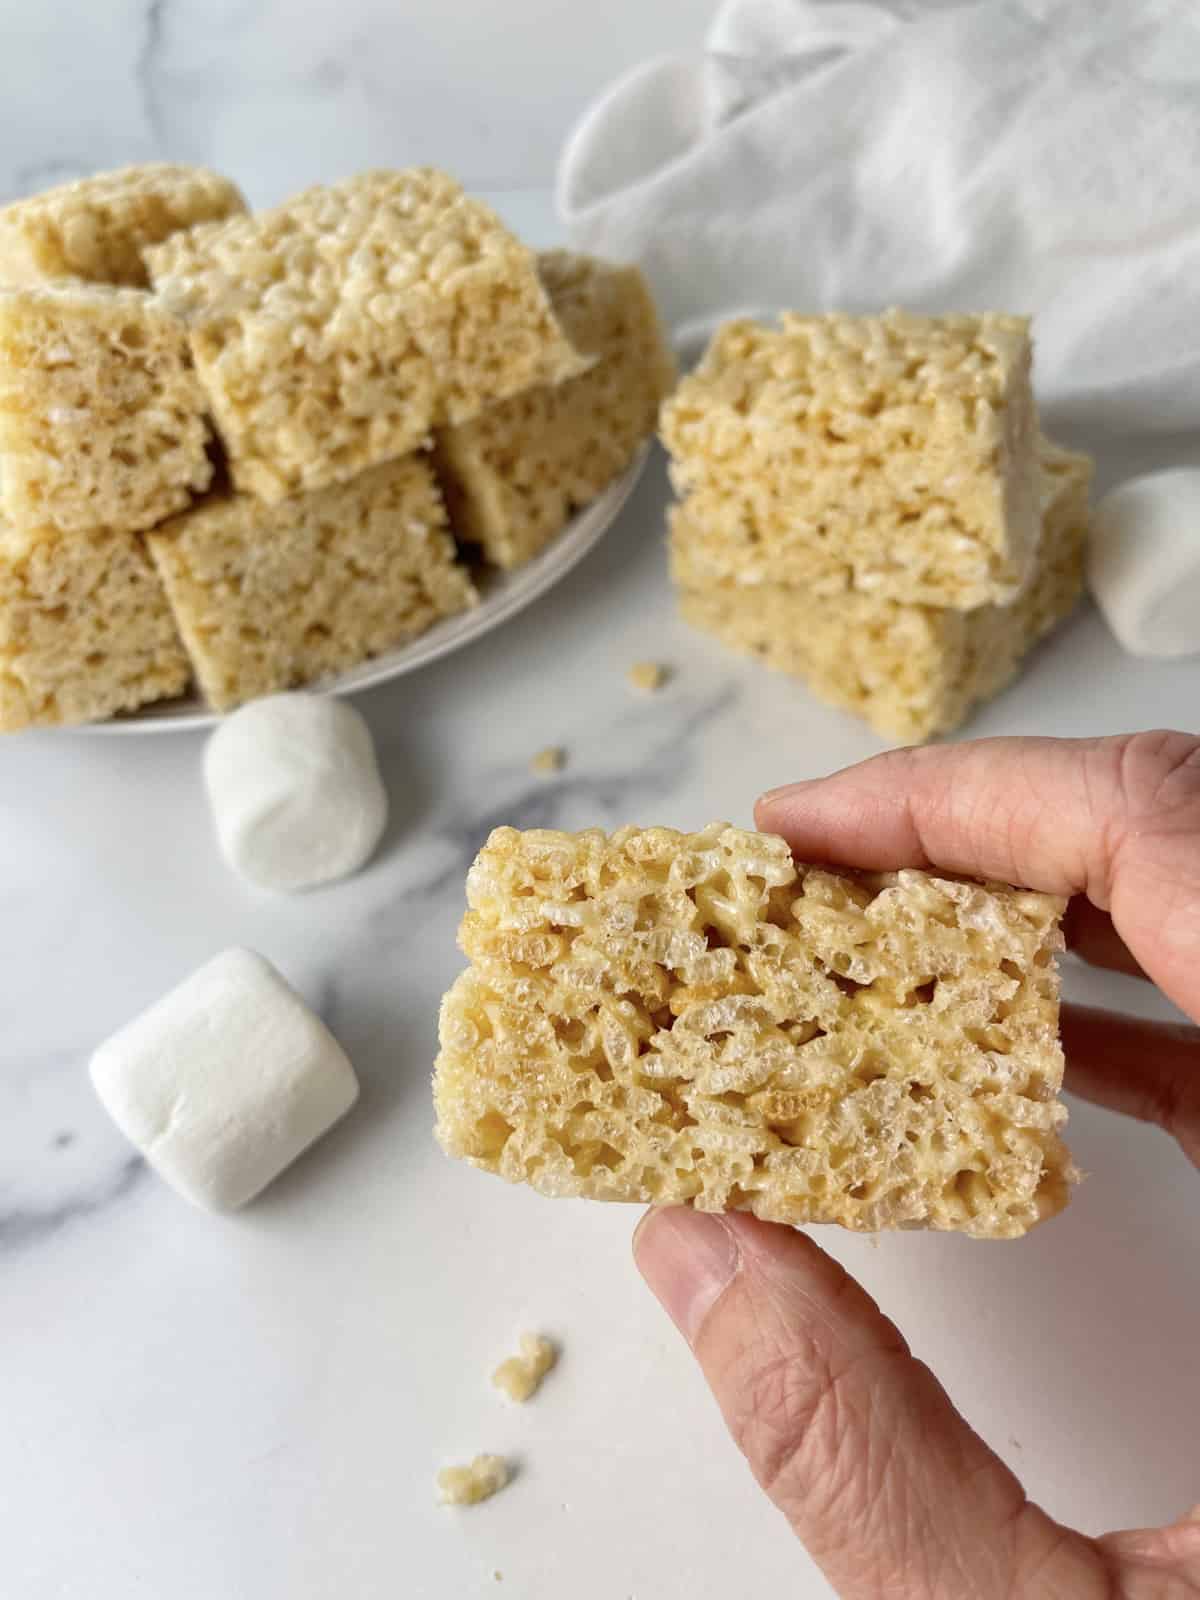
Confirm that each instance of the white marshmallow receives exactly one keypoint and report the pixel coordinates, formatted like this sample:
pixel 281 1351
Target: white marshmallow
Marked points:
pixel 224 1081
pixel 295 790
pixel 1144 562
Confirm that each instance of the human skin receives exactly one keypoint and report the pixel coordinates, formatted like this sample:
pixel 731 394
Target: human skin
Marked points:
pixel 853 1439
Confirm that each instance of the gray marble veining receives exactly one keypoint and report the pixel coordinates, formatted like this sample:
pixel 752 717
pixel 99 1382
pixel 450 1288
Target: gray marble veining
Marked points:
pixel 20 1228
pixel 283 94
pixel 147 71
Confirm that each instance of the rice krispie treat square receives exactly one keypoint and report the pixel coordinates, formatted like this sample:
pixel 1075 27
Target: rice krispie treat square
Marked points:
pixel 516 472
pixel 911 671
pixel 892 454
pixel 333 332
pixel 676 1018
pixel 102 420
pixel 98 227
pixel 467 287
pixel 268 597
pixel 85 629
pixel 1064 493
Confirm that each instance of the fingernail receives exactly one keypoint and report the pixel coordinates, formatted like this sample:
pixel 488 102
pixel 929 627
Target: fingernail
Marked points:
pixel 784 790
pixel 688 1258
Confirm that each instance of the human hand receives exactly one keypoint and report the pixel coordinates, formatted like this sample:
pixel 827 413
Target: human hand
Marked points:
pixel 853 1439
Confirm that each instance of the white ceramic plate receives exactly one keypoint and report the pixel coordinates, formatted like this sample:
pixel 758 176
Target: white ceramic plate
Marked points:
pixel 501 596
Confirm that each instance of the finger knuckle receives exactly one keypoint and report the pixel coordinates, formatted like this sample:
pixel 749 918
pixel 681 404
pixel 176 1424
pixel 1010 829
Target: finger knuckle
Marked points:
pixel 1158 772
pixel 791 1424
pixel 1141 786
pixel 803 1429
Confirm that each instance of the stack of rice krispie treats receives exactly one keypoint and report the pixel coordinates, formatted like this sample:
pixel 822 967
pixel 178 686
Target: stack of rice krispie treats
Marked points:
pixel 867 502
pixel 227 439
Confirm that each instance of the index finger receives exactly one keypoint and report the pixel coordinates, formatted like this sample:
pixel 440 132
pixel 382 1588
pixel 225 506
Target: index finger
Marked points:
pixel 1117 820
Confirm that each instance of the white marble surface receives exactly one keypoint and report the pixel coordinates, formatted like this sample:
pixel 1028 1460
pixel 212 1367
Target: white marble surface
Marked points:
pixel 282 93
pixel 195 1408
pixel 256 1406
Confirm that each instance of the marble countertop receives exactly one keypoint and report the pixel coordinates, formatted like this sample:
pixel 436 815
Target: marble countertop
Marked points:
pixel 282 95
pixel 255 1406
pixel 197 1408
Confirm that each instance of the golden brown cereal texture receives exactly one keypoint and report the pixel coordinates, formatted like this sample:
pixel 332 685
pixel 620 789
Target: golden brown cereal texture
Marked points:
pixel 911 671
pixel 267 597
pixel 102 420
pixel 98 227
pixel 85 630
pixel 520 1377
pixel 476 302
pixel 479 1480
pixel 514 475
pixel 893 454
pixel 332 332
pixel 693 1018
pixel 1064 490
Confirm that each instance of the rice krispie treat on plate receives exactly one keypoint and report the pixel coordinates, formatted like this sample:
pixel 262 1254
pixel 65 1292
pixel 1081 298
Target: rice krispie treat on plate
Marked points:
pixel 334 331
pixel 85 629
pixel 515 473
pixel 268 597
pixel 102 420
pixel 97 228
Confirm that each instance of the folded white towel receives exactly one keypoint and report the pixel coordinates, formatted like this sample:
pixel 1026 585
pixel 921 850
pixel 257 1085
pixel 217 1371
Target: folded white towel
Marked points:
pixel 1040 156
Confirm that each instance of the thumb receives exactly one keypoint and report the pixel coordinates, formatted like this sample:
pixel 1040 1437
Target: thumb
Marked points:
pixel 853 1439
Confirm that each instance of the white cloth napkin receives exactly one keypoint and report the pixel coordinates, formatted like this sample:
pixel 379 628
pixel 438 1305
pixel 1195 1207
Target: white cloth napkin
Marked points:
pixel 1018 155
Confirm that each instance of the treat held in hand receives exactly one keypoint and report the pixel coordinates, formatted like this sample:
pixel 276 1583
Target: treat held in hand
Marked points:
pixel 694 1018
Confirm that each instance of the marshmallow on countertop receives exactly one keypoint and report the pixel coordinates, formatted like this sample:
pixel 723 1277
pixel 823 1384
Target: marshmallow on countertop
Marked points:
pixel 224 1081
pixel 295 791
pixel 1144 562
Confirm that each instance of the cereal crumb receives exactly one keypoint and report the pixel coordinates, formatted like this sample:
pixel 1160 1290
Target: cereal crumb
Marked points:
pixel 647 676
pixel 467 1486
pixel 520 1377
pixel 552 759
pixel 498 1576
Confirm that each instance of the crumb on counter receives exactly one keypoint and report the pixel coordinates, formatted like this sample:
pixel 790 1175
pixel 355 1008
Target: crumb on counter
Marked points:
pixel 467 1486
pixel 647 676
pixel 520 1377
pixel 552 759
